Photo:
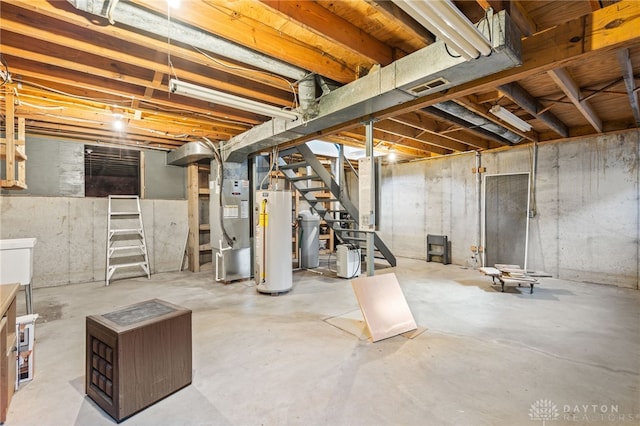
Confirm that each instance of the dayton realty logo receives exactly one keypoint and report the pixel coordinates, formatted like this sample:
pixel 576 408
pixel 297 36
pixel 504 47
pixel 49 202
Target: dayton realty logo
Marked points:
pixel 545 410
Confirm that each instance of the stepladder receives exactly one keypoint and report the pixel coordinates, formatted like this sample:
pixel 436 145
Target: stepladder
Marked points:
pixel 126 242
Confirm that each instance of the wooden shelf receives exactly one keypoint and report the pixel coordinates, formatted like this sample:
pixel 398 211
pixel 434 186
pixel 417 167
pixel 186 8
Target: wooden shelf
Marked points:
pixel 198 245
pixel 12 184
pixel 19 151
pixel 12 148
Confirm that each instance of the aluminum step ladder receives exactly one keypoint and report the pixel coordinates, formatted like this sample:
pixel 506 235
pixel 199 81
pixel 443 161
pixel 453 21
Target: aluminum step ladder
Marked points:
pixel 126 243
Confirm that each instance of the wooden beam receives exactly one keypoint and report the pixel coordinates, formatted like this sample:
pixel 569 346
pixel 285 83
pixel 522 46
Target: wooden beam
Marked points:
pixel 484 4
pixel 521 18
pixel 21 150
pixel 329 26
pixel 483 112
pixel 10 128
pixel 444 115
pixel 530 104
pixel 193 239
pixel 156 83
pixel 418 121
pixel 570 88
pixel 248 24
pixel 93 87
pixel 630 82
pixel 393 12
pixel 400 140
pixel 420 135
pixel 602 31
pixel 66 13
pixel 101 67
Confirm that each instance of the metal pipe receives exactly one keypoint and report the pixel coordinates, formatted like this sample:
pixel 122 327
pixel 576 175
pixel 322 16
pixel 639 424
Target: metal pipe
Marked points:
pixel 307 96
pixel 372 195
pixel 479 208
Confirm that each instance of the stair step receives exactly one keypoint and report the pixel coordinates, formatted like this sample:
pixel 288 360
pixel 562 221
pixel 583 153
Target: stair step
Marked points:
pixel 313 189
pixel 306 177
pixel 324 200
pixel 341 221
pixel 348 238
pixel 293 165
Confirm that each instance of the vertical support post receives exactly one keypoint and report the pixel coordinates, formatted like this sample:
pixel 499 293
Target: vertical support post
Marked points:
pixel 10 165
pixel 193 239
pixel 372 197
pixel 341 180
pixel 22 165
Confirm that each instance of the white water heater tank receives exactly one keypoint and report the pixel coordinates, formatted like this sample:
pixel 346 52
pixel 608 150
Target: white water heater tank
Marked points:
pixel 273 271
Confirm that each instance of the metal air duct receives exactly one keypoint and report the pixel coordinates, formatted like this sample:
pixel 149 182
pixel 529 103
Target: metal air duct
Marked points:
pixel 137 17
pixel 431 69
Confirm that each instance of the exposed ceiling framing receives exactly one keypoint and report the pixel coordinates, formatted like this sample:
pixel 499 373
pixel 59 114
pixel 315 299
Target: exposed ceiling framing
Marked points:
pixel 75 73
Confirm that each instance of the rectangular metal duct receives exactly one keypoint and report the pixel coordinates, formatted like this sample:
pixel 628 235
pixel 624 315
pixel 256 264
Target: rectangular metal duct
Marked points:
pixel 189 153
pixel 402 81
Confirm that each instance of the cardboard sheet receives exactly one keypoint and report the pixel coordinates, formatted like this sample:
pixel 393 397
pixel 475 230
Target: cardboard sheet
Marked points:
pixel 383 306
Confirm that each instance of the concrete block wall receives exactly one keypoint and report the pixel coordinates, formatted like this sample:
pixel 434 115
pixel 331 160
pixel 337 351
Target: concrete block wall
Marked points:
pixel 587 222
pixel 71 236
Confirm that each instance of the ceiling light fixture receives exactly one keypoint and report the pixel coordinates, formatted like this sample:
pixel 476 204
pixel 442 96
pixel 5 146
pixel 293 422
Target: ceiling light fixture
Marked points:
pixel 118 122
pixel 510 118
pixel 217 97
pixel 445 20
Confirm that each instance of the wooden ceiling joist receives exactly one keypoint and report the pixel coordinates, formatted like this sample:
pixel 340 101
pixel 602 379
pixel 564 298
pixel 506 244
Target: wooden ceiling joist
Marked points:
pixel 605 30
pixel 564 80
pixel 530 104
pixel 630 82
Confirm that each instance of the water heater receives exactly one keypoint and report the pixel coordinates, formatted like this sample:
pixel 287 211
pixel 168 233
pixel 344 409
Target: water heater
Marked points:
pixel 273 261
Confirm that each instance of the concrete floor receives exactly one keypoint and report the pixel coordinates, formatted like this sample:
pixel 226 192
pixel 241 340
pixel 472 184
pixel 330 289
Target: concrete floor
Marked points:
pixel 485 359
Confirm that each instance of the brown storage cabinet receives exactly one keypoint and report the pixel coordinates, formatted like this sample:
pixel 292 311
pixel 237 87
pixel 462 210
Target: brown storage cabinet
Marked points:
pixel 137 355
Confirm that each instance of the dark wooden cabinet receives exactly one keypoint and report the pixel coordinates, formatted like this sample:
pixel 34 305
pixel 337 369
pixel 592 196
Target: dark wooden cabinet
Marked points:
pixel 137 355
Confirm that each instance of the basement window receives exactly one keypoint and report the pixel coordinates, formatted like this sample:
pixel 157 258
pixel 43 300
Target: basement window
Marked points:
pixel 111 171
